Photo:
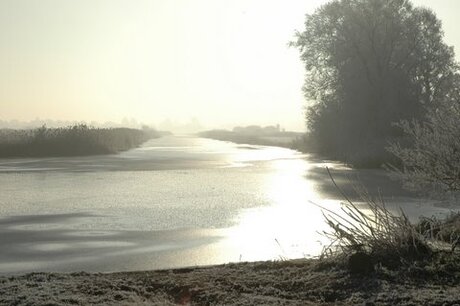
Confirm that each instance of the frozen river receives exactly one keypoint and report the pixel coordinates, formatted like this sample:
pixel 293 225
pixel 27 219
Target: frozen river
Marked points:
pixel 176 201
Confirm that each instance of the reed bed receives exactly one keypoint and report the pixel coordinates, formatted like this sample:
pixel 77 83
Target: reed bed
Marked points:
pixel 77 140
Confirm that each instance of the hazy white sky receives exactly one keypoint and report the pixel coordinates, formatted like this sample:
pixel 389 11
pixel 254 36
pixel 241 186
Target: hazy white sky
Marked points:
pixel 225 62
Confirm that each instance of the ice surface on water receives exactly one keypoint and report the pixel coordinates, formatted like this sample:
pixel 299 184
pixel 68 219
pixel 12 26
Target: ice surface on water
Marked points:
pixel 175 201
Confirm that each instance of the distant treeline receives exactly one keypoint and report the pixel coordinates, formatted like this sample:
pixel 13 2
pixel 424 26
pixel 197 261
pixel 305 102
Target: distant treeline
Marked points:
pixel 255 135
pixel 77 140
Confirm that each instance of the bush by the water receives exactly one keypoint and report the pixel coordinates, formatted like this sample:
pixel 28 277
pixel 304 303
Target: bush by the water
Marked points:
pixel 430 162
pixel 70 141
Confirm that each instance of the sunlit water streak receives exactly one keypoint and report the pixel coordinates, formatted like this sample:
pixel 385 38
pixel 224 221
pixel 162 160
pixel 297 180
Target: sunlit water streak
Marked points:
pixel 176 201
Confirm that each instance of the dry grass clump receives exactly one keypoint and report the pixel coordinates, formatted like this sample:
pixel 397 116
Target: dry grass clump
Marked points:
pixel 374 237
pixel 443 230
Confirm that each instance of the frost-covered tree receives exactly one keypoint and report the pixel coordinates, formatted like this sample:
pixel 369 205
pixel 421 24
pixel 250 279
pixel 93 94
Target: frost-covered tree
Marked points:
pixel 370 63
pixel 430 161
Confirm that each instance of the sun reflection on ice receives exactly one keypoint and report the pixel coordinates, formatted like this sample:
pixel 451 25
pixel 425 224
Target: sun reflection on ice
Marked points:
pixel 258 153
pixel 289 226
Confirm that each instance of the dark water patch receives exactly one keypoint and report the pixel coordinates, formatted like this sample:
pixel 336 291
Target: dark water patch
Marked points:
pixel 375 182
pixel 47 243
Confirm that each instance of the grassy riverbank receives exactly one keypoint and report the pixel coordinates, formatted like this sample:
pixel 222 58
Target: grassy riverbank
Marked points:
pixel 295 282
pixel 277 138
pixel 78 140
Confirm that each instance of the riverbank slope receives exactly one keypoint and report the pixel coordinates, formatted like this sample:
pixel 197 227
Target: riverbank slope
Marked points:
pixel 294 282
